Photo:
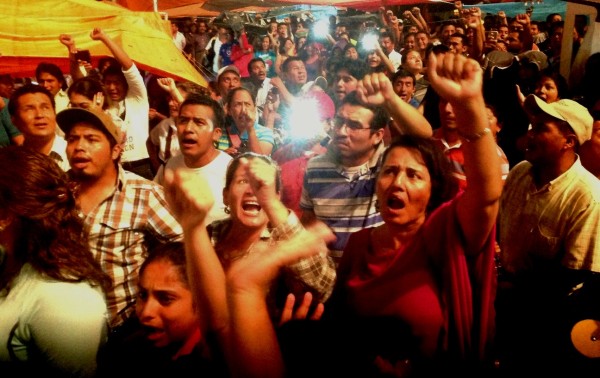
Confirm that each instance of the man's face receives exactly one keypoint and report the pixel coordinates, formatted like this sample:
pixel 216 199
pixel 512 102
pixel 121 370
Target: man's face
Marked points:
pixel 344 83
pixel 6 89
pixel 258 72
pixel 456 45
pixel 502 32
pixel 351 53
pixel 89 152
pixel 404 88
pixel 422 41
pixel 228 81
pixel 352 138
pixel 282 30
pixel 197 132
pixel 241 109
pixel 545 140
pixel 447 117
pixel 409 42
pixel 202 28
pixel 115 87
pixel 513 42
pixel 387 44
pixel 448 31
pixel 49 82
pixel 35 116
pixel 533 28
pixel 296 73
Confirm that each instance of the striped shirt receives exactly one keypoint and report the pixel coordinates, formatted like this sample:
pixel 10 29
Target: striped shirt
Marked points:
pixel 121 229
pixel 345 202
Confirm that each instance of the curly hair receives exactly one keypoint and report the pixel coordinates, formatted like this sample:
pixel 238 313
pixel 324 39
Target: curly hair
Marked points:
pixel 52 238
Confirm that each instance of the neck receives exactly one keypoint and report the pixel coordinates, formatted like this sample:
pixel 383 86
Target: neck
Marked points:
pixel 93 191
pixel 43 145
pixel 451 136
pixel 548 171
pixel 355 161
pixel 202 160
pixel 391 236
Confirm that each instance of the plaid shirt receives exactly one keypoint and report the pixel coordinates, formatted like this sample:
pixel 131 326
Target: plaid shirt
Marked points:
pixel 121 229
pixel 315 274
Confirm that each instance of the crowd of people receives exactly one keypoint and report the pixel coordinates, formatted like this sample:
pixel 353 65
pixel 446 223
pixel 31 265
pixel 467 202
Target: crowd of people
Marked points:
pixel 404 197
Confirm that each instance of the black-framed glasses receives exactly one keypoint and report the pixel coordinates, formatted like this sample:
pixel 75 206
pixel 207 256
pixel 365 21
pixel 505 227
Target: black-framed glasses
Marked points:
pixel 338 123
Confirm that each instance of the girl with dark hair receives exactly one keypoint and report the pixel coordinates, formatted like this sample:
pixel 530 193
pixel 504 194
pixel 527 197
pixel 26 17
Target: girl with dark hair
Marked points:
pixel 52 305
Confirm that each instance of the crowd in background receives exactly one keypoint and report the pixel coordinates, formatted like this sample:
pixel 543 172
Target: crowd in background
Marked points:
pixel 403 195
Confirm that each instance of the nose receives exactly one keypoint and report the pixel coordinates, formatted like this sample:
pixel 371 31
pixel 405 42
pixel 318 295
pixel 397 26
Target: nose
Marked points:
pixel 146 309
pixel 399 180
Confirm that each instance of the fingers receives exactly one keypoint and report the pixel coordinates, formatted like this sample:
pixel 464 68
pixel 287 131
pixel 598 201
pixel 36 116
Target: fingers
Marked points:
pixel 288 309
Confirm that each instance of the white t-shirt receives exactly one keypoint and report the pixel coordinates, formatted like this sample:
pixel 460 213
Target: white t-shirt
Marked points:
pixel 52 324
pixel 214 173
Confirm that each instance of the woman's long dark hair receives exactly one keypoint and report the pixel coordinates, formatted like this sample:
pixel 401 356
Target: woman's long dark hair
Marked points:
pixel 52 238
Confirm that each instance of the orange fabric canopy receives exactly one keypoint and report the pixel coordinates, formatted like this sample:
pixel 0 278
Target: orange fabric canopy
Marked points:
pixel 29 34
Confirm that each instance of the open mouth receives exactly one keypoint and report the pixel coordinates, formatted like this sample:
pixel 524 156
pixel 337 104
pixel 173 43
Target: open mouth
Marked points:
pixel 396 204
pixel 188 141
pixel 251 207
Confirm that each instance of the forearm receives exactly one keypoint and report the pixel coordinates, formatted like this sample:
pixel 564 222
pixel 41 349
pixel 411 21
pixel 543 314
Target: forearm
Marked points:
pixel 407 119
pixel 118 53
pixel 255 351
pixel 207 279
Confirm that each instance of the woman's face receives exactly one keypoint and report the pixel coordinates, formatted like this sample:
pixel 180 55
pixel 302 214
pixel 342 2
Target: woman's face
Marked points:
pixel 165 306
pixel 243 204
pixel 77 100
pixel 414 63
pixel 403 188
pixel 266 43
pixel 547 90
pixel 373 60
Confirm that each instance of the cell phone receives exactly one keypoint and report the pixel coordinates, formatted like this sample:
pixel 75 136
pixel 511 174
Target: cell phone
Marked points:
pixel 492 35
pixel 83 55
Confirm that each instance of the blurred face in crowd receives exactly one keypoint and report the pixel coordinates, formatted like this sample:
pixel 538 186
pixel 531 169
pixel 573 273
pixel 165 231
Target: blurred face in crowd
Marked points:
pixel 344 83
pixel 115 87
pixel 404 88
pixel 413 62
pixel 50 82
pixel 547 90
pixel 295 73
pixel 228 81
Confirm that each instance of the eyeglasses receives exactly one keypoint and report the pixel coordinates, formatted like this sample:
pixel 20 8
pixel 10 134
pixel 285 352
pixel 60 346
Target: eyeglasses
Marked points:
pixel 339 122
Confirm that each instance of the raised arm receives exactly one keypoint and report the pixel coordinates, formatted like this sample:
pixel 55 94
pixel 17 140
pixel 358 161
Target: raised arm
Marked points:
pixel 190 200
pixel 118 53
pixel 376 89
pixel 459 80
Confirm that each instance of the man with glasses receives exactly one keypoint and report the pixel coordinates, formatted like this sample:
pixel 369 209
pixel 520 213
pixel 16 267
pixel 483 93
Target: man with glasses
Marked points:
pixel 339 186
pixel 199 127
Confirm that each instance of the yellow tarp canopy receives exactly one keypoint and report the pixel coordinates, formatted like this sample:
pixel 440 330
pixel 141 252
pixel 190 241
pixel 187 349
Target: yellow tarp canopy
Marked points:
pixel 29 34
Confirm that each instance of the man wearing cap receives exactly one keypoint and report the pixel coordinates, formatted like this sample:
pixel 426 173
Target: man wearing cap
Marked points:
pixel 549 224
pixel 31 108
pixel 228 78
pixel 124 213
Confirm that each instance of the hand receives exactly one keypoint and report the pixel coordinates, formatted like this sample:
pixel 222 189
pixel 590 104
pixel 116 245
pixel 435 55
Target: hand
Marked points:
pixel 455 77
pixel 523 19
pixel 97 34
pixel 407 14
pixel 277 82
pixel 98 101
pixel 301 312
pixel 189 197
pixel 167 84
pixel 68 41
pixel 262 177
pixel 416 11
pixel 375 89
pixel 255 272
pixel 501 14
